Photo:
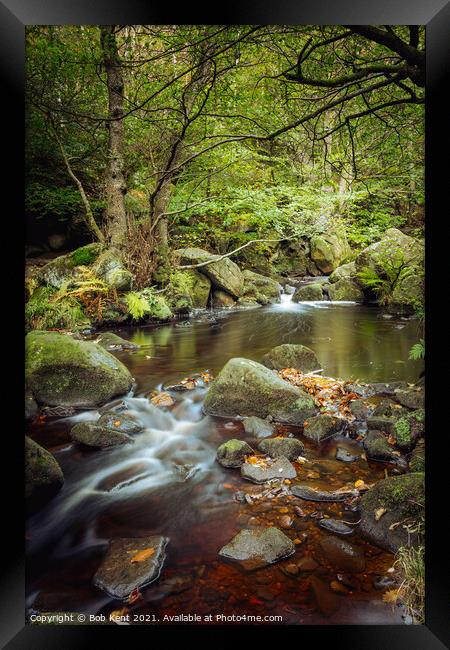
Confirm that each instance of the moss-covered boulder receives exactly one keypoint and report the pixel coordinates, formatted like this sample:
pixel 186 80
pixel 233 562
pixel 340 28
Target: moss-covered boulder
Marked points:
pixel 289 448
pixel 394 248
pixel 157 307
pixel 413 398
pixel 223 273
pixel 291 355
pixel 62 371
pixel 345 289
pixel 46 310
pixel 260 288
pixel 95 435
pixel 110 268
pixel 329 250
pixel 378 448
pixel 408 428
pixel 408 294
pixel 395 500
pixel 308 292
pixel 61 269
pixel 244 387
pixel 343 272
pixel 323 426
pixel 232 453
pixel 43 475
pixel 189 289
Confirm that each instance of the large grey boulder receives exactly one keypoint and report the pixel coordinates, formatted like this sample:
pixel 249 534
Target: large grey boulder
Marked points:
pixel 131 564
pixel 308 293
pixel 244 387
pixel 63 268
pixel 60 370
pixel 260 288
pixel 223 273
pixel 43 475
pixel 343 272
pixel 345 289
pixel 329 250
pixel 291 355
pixel 254 548
pixel 110 268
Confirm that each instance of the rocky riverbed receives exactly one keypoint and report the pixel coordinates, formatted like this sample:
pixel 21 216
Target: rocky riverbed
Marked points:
pixel 289 507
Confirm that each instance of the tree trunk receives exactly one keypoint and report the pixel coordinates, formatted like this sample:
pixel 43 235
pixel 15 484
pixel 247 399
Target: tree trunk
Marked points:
pixel 116 187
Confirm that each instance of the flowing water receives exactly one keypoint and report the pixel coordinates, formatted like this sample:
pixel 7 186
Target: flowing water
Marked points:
pixel 168 482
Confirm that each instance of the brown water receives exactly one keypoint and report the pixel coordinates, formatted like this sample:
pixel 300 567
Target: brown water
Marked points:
pixel 136 490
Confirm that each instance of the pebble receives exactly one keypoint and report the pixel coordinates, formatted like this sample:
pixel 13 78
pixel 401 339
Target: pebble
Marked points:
pixel 285 521
pixel 383 582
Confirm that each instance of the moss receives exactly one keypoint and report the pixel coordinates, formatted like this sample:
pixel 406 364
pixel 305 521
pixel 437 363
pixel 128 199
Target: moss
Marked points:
pixel 405 494
pixel 419 415
pixel 402 431
pixel 45 311
pixel 85 255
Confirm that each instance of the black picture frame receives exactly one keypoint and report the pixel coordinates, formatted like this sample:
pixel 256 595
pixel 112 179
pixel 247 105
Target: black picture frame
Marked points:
pixel 435 14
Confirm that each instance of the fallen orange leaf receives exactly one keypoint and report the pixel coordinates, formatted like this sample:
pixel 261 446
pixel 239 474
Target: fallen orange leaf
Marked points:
pixel 143 555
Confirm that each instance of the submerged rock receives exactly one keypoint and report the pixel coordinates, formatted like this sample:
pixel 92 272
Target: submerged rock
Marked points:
pixel 62 371
pixel 335 526
pixel 327 602
pixel 111 341
pixel 43 475
pixel 95 435
pixel 290 448
pixel 281 468
pixel 246 388
pixel 223 273
pixel 254 548
pixel 131 563
pixel 308 293
pixel 291 355
pixel 343 555
pixel 312 494
pixel 323 426
pixel 233 452
pixel 120 422
pixel 391 507
pixel 345 456
pixel 258 427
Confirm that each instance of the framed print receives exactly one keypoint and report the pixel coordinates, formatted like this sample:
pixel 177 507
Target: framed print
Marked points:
pixel 233 241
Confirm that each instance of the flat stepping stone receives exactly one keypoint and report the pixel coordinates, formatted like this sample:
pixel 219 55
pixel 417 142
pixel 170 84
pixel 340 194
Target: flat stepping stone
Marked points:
pixel 343 555
pixel 335 526
pixel 254 548
pixel 94 435
pixel 129 564
pixel 311 494
pixel 280 468
pixel 120 422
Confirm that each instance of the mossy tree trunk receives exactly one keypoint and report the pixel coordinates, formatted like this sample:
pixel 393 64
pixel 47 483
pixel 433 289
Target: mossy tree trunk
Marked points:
pixel 116 186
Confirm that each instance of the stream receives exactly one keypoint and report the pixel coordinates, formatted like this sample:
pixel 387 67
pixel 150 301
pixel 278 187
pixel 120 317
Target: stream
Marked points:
pixel 168 482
